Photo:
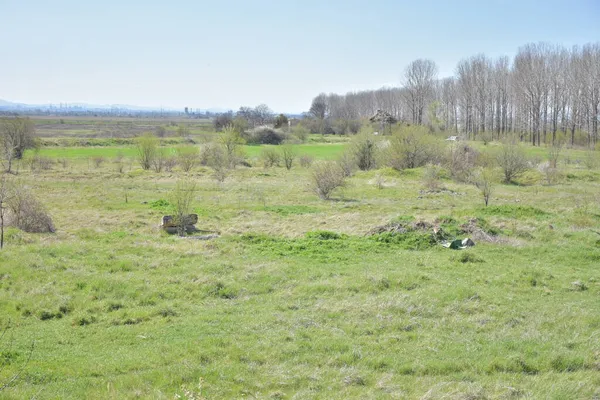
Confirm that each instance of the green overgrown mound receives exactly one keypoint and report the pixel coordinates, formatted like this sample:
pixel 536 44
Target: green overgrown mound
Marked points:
pixel 420 235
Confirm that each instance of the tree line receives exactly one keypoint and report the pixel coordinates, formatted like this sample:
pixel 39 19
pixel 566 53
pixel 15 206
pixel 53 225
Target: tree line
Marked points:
pixel 544 94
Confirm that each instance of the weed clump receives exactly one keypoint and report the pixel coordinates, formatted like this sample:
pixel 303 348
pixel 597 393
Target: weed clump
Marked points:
pixel 324 235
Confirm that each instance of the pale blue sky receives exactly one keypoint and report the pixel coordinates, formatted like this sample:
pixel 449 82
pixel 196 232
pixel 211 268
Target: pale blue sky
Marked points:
pixel 230 53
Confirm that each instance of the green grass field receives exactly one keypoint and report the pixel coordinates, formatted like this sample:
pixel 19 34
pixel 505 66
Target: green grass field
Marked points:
pixel 296 300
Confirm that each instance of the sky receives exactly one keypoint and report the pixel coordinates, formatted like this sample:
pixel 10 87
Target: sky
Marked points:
pixel 227 54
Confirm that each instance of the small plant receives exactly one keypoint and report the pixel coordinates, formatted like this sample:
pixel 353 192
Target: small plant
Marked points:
pixel 326 177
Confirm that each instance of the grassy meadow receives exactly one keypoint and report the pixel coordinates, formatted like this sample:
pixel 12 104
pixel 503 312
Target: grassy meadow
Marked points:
pixel 297 299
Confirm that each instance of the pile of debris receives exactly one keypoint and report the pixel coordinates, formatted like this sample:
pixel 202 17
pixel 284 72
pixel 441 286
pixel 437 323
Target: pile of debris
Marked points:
pixel 473 228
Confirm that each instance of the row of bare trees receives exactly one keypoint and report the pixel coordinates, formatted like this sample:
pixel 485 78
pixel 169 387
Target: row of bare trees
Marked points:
pixel 544 92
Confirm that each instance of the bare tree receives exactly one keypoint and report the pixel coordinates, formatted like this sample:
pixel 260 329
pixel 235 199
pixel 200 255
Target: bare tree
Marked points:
pixel 319 107
pixel 419 78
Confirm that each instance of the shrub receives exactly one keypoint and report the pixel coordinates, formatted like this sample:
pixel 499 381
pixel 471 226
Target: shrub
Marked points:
pixel 306 160
pixel 484 181
pixel 460 161
pixel 288 153
pixel 160 131
pixel 215 156
pixel 364 150
pixel 147 149
pixel 554 154
pixel 550 173
pixel 222 120
pixel 413 147
pixel 431 177
pixel 270 157
pixel 26 212
pixel 591 159
pixel 187 157
pixel 170 162
pixel 512 160
pixel 183 130
pixel 326 177
pixel 98 161
pixel 159 160
pixel 347 163
pixel 38 162
pixel 300 132
pixel 182 196
pixel 232 141
pixel 265 135
pixel 281 121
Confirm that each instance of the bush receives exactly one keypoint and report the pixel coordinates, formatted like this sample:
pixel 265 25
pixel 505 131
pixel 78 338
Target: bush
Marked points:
pixel 222 120
pixel 264 135
pixel 413 147
pixel 232 141
pixel 431 177
pixel 215 156
pixel 484 181
pixel 37 163
pixel 98 161
pixel 187 157
pixel 512 160
pixel 326 177
pixel 270 157
pixel 460 161
pixel 347 164
pixel 306 160
pixel 147 148
pixel 288 153
pixel 159 160
pixel 300 132
pixel 364 149
pixel 26 212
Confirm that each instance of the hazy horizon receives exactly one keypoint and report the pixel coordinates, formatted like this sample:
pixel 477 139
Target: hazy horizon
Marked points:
pixel 232 54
